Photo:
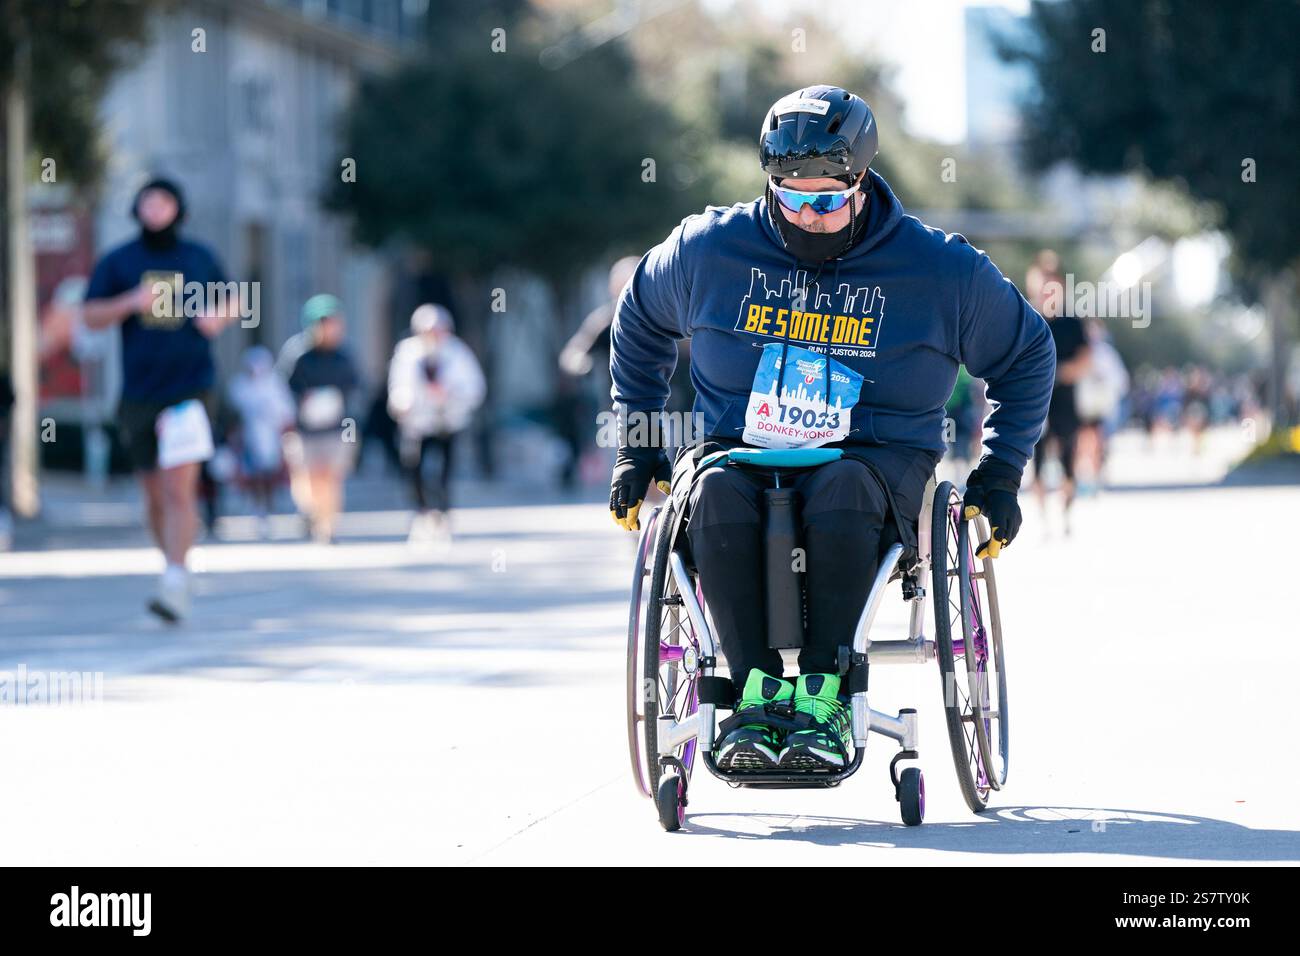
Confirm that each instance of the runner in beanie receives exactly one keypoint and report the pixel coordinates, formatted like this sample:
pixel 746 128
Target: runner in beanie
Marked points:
pixel 167 371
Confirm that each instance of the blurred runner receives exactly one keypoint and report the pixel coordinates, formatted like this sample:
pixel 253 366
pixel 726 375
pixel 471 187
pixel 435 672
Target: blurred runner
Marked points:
pixel 322 378
pixel 435 385
pixel 1044 288
pixel 167 372
pixel 265 409
pixel 584 383
pixel 1169 395
pixel 1099 396
pixel 381 430
pixel 1196 404
pixel 218 469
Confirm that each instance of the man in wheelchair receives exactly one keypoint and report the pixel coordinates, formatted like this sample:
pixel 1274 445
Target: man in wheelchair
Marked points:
pixel 819 315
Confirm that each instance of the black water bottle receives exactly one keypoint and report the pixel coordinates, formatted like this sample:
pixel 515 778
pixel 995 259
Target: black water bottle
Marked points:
pixel 784 593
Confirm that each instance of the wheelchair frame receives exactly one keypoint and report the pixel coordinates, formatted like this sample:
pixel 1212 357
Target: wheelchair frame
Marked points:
pixel 694 734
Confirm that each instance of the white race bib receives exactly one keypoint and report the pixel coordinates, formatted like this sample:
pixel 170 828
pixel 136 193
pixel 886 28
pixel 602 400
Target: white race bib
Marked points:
pixel 790 407
pixel 184 435
pixel 322 407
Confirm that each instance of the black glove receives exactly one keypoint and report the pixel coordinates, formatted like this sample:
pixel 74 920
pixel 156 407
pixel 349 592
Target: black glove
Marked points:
pixel 633 470
pixel 991 491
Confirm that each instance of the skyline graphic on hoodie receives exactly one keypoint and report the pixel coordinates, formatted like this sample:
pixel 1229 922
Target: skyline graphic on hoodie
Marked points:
pixel 849 319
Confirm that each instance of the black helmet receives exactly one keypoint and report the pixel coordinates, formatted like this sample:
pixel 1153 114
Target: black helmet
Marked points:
pixel 818 131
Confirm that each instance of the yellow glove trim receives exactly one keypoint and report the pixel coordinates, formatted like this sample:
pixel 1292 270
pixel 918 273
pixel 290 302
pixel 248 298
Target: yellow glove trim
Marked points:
pixel 993 547
pixel 630 523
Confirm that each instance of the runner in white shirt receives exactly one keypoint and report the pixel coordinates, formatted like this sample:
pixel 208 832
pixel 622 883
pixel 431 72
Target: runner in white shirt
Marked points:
pixel 435 385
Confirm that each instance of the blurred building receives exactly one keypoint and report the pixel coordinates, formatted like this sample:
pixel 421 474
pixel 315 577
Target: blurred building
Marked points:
pixel 995 88
pixel 240 102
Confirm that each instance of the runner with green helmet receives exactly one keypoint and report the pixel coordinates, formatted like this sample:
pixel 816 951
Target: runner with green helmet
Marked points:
pixel 323 378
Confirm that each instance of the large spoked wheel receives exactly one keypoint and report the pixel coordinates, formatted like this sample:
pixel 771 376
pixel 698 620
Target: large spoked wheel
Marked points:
pixel 662 651
pixel 985 663
pixel 956 613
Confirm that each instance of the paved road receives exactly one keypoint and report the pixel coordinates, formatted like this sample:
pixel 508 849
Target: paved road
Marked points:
pixel 366 703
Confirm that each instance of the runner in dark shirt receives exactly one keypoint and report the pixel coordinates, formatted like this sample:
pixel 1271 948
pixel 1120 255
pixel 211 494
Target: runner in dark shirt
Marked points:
pixel 167 368
pixel 1061 431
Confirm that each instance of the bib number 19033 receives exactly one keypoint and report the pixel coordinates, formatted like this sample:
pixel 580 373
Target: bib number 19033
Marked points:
pixel 809 417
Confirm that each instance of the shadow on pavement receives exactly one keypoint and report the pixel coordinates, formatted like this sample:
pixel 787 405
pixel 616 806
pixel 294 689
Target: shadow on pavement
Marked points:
pixel 1026 830
pixel 322 625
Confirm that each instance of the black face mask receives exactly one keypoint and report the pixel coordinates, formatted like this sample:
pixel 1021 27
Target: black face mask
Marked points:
pixel 169 235
pixel 818 246
pixel 163 238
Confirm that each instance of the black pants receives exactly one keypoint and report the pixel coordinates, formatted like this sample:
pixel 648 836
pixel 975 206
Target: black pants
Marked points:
pixel 430 494
pixel 842 512
pixel 137 422
pixel 1062 429
pixel 1066 441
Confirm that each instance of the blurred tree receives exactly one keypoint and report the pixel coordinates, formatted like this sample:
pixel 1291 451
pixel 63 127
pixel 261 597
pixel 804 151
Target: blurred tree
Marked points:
pixel 1204 94
pixel 720 74
pixel 75 46
pixel 55 59
pixel 517 139
pixel 491 159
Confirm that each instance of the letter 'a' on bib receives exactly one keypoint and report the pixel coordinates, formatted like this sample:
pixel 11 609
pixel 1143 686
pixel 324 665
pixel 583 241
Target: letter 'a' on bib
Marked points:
pixel 184 435
pixel 789 407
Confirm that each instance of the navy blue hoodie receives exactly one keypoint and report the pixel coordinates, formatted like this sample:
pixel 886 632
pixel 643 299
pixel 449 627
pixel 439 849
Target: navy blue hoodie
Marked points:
pixel 903 308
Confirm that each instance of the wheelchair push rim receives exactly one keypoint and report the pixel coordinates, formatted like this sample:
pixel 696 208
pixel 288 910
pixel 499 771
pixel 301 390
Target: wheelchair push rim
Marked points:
pixel 636 617
pixel 986 664
pixel 661 644
pixel 950 578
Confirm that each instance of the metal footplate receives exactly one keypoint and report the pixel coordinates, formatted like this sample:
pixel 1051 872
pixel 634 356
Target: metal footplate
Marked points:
pixel 783 779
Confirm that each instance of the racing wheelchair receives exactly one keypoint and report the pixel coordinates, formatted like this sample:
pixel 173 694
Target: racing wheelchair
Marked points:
pixel 674 692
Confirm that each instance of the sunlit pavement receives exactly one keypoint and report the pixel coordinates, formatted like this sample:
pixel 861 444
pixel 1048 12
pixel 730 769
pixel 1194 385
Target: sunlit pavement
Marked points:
pixel 370 703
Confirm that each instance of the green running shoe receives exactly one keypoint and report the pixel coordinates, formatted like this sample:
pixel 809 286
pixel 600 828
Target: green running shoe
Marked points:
pixel 754 744
pixel 826 744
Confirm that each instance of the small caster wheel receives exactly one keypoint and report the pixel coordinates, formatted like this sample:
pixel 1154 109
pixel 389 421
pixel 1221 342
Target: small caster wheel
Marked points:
pixel 911 796
pixel 670 801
